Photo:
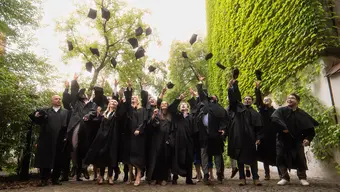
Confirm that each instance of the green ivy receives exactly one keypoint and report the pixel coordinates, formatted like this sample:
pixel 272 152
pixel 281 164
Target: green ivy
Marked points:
pixel 285 39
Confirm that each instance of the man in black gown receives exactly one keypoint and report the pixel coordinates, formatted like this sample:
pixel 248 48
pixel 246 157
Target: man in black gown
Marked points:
pixel 212 122
pixel 244 132
pixel 53 122
pixel 296 130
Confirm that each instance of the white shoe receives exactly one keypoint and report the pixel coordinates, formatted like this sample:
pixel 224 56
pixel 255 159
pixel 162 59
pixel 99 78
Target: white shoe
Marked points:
pixel 304 182
pixel 283 182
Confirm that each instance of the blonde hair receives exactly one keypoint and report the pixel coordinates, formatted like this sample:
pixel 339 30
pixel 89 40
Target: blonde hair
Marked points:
pixel 181 103
pixel 138 104
pixel 107 111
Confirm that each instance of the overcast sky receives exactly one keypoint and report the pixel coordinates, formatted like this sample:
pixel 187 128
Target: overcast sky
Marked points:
pixel 173 20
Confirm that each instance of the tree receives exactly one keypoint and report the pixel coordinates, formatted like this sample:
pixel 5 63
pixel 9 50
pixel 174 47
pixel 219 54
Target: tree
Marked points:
pixel 110 36
pixel 181 74
pixel 24 75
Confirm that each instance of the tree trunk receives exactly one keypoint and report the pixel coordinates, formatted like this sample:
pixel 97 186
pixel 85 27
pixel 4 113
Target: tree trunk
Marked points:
pixel 93 82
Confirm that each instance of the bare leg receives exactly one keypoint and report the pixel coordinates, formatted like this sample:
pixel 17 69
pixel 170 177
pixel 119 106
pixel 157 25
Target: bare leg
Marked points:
pixel 138 177
pixel 198 172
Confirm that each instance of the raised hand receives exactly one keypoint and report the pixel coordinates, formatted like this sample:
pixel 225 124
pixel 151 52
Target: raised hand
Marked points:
pixel 192 92
pixel 129 84
pixel 182 96
pixel 115 83
pixel 201 78
pixel 258 83
pixel 231 82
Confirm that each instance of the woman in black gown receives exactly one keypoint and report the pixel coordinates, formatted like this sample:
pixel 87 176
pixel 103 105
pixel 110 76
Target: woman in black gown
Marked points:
pixel 159 151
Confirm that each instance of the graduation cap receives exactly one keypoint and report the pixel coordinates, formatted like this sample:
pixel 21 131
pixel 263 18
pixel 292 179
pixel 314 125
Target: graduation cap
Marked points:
pixel 139 31
pixel 236 72
pixel 133 42
pixel 193 39
pixel 148 31
pixel 140 52
pixel 70 45
pixel 94 51
pixel 170 85
pixel 105 14
pixel 184 54
pixel 208 56
pixel 89 66
pixel 152 68
pixel 113 63
pixel 92 14
pixel 258 74
pixel 219 65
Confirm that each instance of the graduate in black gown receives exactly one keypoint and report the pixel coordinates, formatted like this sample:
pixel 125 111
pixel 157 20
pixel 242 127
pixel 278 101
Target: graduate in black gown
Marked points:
pixel 295 130
pixel 51 142
pixel 267 149
pixel 83 110
pixel 182 140
pixel 159 151
pixel 104 149
pixel 134 137
pixel 244 132
pixel 212 124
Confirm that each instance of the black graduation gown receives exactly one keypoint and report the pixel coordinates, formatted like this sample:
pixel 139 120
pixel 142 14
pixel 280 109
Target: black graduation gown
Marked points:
pixel 134 146
pixel 244 129
pixel 210 136
pixel 159 149
pixel 289 148
pixel 79 111
pixel 105 147
pixel 51 137
pixel 182 137
pixel 267 148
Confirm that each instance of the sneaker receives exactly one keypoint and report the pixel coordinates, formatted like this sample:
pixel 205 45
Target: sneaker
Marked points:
pixel 242 182
pixel 304 182
pixel 257 183
pixel 283 182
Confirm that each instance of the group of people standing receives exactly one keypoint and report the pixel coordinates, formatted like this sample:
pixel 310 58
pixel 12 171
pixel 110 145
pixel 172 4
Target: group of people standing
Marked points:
pixel 161 141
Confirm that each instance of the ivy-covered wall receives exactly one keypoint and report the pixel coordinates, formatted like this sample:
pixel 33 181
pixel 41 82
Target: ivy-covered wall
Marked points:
pixel 284 39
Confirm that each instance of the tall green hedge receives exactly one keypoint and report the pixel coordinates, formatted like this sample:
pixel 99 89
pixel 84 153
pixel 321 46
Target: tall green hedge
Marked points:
pixel 284 39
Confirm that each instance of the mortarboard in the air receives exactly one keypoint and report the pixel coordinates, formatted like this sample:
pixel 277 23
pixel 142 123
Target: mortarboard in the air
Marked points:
pixel 92 14
pixel 208 56
pixel 140 52
pixel 133 42
pixel 139 31
pixel 170 85
pixel 219 65
pixel 193 39
pixel 89 66
pixel 151 68
pixel 105 14
pixel 70 45
pixel 236 72
pixel 94 51
pixel 184 54
pixel 258 74
pixel 148 31
pixel 113 62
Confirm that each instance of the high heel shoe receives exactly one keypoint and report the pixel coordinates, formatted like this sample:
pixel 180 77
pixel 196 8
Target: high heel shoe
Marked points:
pixel 137 183
pixel 100 180
pixel 110 181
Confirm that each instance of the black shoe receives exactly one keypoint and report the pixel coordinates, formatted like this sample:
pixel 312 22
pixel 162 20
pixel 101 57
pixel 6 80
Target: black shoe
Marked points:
pixel 56 183
pixel 174 182
pixel 86 174
pixel 42 184
pixel 248 173
pixel 233 172
pixel 206 179
pixel 189 182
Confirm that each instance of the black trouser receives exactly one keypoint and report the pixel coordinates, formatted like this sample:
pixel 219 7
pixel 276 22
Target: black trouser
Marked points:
pixel 188 166
pixel 267 169
pixel 301 173
pixel 45 174
pixel 110 171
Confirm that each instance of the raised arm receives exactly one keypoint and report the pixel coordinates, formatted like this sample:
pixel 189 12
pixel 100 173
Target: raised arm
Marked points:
pixel 67 97
pixel 115 94
pixel 74 89
pixel 234 95
pixel 258 94
pixel 174 105
pixel 160 98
